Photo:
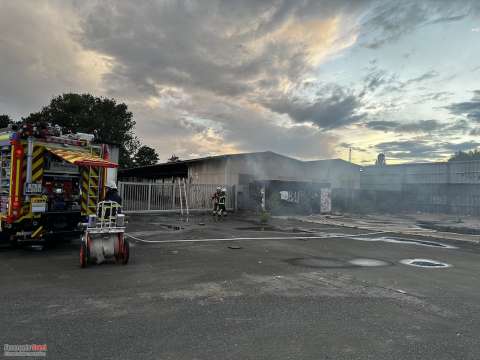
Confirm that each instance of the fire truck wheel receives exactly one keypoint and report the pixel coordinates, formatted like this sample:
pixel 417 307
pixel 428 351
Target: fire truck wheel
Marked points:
pixel 83 255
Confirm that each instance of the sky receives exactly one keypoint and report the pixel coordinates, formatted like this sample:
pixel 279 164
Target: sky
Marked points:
pixel 309 79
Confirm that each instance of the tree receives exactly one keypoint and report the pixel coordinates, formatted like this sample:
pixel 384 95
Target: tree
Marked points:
pixel 174 158
pixel 381 161
pixel 5 120
pixel 109 121
pixel 466 156
pixel 145 156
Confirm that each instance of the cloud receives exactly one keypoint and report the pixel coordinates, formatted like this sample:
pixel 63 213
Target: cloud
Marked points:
pixel 425 126
pixel 226 48
pixel 423 149
pixel 426 76
pixel 469 109
pixel 378 78
pixel 345 145
pixel 337 109
pixel 463 146
pixel 41 58
pixel 223 126
pixel 392 19
pixel 218 76
pixel 407 149
pixel 434 96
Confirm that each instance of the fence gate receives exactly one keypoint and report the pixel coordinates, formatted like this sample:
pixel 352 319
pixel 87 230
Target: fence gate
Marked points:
pixel 158 197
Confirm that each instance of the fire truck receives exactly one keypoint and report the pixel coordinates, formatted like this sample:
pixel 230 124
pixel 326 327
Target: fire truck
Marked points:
pixel 49 181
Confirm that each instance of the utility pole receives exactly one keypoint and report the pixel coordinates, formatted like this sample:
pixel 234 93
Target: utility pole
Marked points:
pixel 350 154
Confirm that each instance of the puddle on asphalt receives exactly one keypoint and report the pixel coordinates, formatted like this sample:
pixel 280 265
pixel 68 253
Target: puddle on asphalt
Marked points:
pixel 332 263
pixel 425 263
pixel 396 240
pixel 368 262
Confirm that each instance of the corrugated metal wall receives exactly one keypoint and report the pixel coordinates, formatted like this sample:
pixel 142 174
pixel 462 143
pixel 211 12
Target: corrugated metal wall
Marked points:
pixel 452 187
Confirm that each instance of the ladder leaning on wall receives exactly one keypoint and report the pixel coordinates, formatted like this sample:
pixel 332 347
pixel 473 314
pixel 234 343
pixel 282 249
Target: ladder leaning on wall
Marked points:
pixel 183 194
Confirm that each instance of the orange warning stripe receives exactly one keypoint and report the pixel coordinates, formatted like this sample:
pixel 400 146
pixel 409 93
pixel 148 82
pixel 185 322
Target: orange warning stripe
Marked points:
pixel 81 158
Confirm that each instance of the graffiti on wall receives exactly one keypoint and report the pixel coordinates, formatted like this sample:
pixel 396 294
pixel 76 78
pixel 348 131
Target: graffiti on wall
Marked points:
pixel 325 200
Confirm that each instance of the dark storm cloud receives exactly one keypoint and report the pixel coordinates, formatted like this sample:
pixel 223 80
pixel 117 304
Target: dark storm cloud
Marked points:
pixel 336 110
pixel 469 109
pixel 200 45
pixel 204 45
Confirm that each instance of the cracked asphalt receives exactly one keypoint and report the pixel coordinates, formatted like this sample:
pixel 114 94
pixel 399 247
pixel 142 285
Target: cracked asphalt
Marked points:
pixel 247 299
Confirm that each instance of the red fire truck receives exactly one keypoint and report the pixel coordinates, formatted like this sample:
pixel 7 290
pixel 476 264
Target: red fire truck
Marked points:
pixel 49 181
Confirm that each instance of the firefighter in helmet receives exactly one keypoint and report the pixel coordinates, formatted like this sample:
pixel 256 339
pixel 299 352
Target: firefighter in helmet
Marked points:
pixel 112 193
pixel 215 199
pixel 222 210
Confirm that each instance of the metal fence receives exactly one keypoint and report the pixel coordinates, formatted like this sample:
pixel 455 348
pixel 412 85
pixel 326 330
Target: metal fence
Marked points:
pixel 170 197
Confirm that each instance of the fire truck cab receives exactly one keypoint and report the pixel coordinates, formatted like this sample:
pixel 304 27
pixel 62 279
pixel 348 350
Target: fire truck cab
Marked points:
pixel 49 181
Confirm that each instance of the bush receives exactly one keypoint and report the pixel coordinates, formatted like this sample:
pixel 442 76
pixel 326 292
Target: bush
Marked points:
pixel 264 217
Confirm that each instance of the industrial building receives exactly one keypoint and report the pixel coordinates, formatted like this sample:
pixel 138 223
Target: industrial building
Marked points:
pixel 236 169
pixel 439 187
pixel 248 173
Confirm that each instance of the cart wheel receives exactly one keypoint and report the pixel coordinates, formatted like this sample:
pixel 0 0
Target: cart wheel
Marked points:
pixel 125 252
pixel 83 255
pixel 88 247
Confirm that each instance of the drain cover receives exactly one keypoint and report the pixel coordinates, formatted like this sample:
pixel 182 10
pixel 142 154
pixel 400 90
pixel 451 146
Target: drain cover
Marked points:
pixel 426 263
pixel 368 262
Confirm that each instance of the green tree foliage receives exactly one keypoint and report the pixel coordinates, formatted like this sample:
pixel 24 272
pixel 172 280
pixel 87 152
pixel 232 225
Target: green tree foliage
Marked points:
pixel 466 156
pixel 145 156
pixel 5 120
pixel 111 122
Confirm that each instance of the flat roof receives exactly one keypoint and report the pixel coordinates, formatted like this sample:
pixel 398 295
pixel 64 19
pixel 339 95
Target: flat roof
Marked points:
pixel 213 157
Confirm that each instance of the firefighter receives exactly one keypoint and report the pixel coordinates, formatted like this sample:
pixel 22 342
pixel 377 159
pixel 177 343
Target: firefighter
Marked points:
pixel 215 199
pixel 112 193
pixel 222 210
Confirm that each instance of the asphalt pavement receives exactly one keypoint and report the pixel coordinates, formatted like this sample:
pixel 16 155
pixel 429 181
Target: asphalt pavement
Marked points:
pixel 286 290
